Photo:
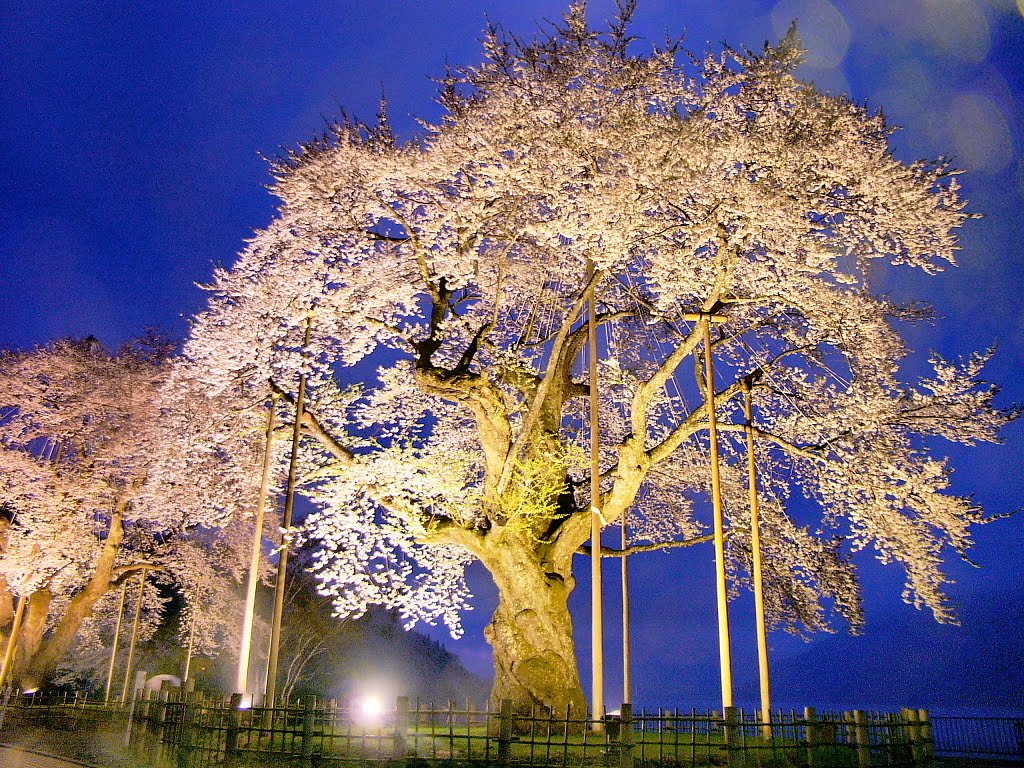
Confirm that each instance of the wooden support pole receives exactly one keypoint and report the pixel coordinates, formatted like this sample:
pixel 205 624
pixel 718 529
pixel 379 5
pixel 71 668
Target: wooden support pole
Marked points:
pixel 627 655
pixel 12 641
pixel 721 587
pixel 135 637
pixel 191 645
pixel 289 507
pixel 596 516
pixel 117 639
pixel 756 567
pixel 249 612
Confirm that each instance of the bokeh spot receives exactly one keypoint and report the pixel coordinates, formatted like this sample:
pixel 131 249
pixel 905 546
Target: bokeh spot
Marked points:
pixel 980 133
pixel 960 27
pixel 822 27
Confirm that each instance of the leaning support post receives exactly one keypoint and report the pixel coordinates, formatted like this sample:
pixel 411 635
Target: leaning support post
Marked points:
pixel 722 592
pixel 117 638
pixel 252 580
pixel 289 507
pixel 12 641
pixel 627 654
pixel 191 646
pixel 758 571
pixel 596 516
pixel 135 637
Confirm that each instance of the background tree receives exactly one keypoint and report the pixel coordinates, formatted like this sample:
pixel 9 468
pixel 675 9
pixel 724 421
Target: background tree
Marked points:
pixel 458 263
pixel 370 656
pixel 93 488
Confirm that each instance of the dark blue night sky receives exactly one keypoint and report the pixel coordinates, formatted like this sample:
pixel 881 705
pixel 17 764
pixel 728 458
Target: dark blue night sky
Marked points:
pixel 133 136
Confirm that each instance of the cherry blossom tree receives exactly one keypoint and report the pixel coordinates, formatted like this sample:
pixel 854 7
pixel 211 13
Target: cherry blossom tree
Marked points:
pixel 100 477
pixel 458 263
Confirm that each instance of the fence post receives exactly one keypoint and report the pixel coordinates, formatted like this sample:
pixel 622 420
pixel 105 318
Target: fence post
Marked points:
pixel 734 756
pixel 612 725
pixel 810 733
pixel 136 695
pixel 927 739
pixel 907 745
pixel 506 723
pixel 626 736
pixel 859 722
pixel 161 719
pixel 185 740
pixel 308 720
pixel 7 700
pixel 234 723
pixel 401 727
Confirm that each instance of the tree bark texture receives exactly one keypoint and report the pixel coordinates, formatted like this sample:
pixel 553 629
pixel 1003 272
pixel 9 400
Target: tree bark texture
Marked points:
pixel 38 663
pixel 531 632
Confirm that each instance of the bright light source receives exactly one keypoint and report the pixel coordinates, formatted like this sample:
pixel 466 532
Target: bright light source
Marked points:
pixel 29 691
pixel 369 709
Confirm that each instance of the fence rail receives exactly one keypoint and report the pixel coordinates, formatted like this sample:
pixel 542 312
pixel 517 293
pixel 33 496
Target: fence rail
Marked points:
pixel 991 738
pixel 192 731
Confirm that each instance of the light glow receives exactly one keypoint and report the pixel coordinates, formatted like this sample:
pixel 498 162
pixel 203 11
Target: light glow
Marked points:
pixel 369 710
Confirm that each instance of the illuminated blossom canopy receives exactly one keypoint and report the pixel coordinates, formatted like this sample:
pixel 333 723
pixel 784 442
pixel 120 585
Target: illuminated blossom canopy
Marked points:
pixel 457 263
pixel 108 469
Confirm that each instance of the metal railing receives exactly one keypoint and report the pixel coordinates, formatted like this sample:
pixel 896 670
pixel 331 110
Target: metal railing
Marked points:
pixel 980 738
pixel 192 731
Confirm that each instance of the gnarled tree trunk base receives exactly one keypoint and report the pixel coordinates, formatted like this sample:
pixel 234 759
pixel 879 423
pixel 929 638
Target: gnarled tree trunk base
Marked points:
pixel 532 635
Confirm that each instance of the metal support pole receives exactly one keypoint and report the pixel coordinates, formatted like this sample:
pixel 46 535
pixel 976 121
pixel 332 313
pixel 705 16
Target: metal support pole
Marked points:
pixel 249 613
pixel 289 507
pixel 117 639
pixel 135 637
pixel 596 517
pixel 724 641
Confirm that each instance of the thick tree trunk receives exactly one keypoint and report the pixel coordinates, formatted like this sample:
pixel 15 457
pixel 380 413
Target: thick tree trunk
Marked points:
pixel 531 632
pixel 38 667
pixel 6 606
pixel 33 627
pixel 6 596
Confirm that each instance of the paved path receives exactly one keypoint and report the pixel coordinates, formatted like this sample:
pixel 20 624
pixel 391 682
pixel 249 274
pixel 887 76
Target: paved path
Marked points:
pixel 16 757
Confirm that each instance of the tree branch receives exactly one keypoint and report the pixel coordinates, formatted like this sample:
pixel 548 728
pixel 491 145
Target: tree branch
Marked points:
pixel 636 549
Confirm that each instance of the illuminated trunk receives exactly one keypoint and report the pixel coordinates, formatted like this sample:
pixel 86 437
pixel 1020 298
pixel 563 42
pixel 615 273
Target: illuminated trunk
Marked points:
pixel 38 665
pixel 6 596
pixel 531 632
pixel 34 625
pixel 6 604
